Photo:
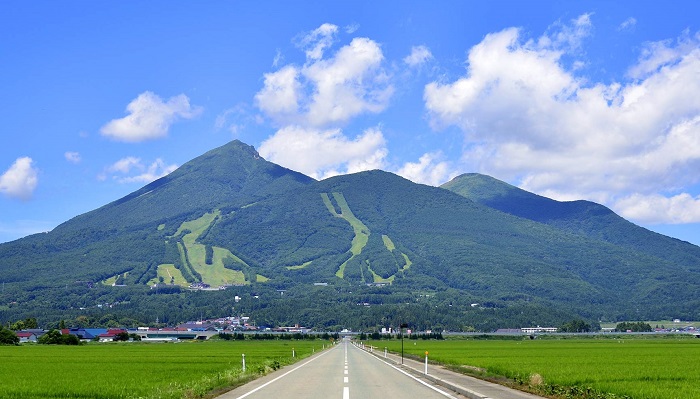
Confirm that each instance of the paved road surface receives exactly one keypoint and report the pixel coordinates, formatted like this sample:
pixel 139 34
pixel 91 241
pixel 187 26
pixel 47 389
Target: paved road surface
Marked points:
pixel 343 372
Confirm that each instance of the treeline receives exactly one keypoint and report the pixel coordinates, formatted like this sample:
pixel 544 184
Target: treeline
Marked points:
pixel 296 336
pixel 578 326
pixel 633 326
pixel 325 308
pixel 379 336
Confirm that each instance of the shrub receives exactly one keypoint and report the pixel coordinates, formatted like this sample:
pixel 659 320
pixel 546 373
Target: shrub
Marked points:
pixel 54 337
pixel 8 337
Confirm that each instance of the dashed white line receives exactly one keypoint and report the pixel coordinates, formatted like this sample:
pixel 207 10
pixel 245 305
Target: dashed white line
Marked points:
pixel 346 389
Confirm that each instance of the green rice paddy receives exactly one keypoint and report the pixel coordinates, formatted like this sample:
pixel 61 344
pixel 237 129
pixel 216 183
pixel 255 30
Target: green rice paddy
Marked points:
pixel 638 368
pixel 140 370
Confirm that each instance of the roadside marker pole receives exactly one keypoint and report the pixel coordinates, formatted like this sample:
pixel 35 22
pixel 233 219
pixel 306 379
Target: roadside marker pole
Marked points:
pixel 293 353
pixel 385 352
pixel 243 354
pixel 426 362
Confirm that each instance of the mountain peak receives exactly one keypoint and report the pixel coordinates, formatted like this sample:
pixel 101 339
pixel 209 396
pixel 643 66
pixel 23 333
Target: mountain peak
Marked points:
pixel 239 147
pixel 232 174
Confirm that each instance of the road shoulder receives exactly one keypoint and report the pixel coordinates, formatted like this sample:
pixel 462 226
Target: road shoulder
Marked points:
pixel 462 384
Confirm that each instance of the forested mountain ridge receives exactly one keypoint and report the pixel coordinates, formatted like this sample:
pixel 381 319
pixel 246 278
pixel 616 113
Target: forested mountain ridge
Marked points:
pixel 579 217
pixel 127 235
pixel 229 217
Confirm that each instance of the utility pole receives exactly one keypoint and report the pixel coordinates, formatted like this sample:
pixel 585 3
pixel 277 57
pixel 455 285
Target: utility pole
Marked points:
pixel 404 325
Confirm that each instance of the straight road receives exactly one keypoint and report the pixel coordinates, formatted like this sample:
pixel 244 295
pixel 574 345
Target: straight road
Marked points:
pixel 343 372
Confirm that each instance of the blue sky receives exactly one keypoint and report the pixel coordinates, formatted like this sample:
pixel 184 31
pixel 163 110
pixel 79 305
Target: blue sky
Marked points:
pixel 588 100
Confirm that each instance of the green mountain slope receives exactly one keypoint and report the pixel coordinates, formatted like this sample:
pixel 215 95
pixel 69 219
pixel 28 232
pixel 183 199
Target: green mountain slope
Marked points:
pixel 230 217
pixel 130 234
pixel 580 217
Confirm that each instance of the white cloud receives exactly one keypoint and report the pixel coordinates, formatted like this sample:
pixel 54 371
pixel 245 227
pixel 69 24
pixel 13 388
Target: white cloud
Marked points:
pixel 349 84
pixel 430 169
pixel 419 56
pixel 125 165
pixel 628 25
pixel 278 58
pixel 681 208
pixel 134 170
pixel 72 156
pixel 657 55
pixel 327 90
pixel 309 103
pixel 20 180
pixel 325 153
pixel 317 41
pixel 530 120
pixel 149 117
pixel 350 29
pixel 235 119
pixel 280 95
pixel 566 37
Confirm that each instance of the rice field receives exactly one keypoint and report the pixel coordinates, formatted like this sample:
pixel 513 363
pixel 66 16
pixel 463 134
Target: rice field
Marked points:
pixel 140 370
pixel 638 368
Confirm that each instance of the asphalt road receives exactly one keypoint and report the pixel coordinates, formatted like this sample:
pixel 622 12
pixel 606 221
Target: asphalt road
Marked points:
pixel 343 372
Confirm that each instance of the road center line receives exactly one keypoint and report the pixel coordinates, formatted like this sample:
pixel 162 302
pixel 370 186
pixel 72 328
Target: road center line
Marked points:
pixel 346 393
pixel 288 372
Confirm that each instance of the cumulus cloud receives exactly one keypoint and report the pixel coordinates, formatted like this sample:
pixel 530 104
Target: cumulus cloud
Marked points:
pixel 656 208
pixel 349 84
pixel 419 56
pixel 310 103
pixel 529 119
pixel 280 94
pixel 325 153
pixel 72 156
pixel 20 180
pixel 134 170
pixel 430 169
pixel 149 117
pixel 327 90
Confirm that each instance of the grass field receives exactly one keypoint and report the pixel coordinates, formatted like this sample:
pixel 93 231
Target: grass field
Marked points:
pixel 214 274
pixel 639 368
pixel 360 229
pixel 139 370
pixel 169 273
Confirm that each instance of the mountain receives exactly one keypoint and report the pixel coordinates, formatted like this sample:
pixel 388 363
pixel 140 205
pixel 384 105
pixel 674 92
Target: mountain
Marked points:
pixel 368 248
pixel 578 217
pixel 127 235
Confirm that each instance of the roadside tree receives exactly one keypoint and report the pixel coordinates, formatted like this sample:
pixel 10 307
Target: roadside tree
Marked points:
pixel 8 337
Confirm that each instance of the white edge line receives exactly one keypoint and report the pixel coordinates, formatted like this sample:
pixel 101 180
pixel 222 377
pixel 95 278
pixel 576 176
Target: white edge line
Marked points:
pixel 277 378
pixel 416 379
